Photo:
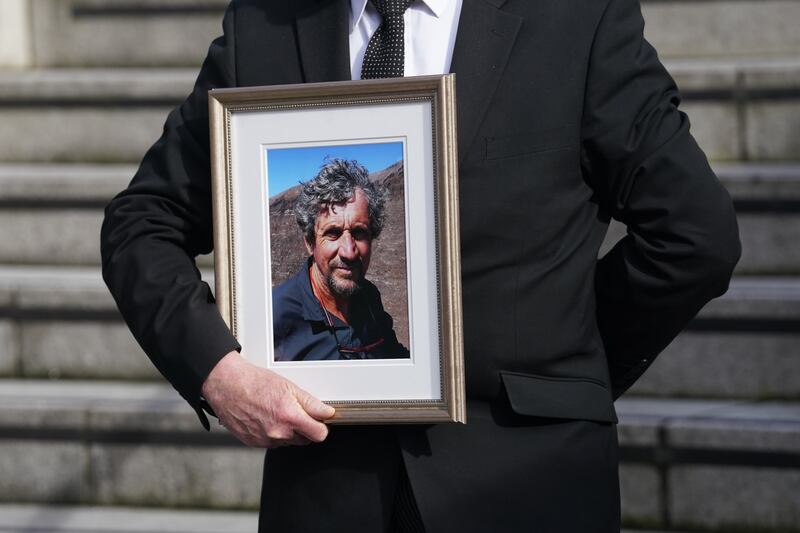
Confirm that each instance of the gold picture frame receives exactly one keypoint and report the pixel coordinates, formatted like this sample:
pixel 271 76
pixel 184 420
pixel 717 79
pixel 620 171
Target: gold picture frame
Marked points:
pixel 262 136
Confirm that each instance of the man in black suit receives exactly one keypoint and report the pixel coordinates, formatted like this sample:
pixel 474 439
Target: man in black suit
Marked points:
pixel 566 118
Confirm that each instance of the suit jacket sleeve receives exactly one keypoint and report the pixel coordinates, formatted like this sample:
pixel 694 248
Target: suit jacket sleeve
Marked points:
pixel 682 242
pixel 154 229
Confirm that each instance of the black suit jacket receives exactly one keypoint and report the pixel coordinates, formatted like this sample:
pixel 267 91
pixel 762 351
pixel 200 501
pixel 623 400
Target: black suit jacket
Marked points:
pixel 566 118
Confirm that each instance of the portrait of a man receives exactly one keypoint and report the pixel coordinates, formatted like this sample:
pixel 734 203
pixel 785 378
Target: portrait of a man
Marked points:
pixel 329 310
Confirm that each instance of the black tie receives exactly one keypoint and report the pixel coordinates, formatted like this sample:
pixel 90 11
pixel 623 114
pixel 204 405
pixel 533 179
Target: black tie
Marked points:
pixel 385 50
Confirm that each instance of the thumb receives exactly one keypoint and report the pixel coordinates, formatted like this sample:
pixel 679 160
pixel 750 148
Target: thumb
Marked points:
pixel 314 407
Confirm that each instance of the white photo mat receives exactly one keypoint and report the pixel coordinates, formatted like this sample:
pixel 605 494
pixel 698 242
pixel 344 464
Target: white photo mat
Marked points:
pixel 378 379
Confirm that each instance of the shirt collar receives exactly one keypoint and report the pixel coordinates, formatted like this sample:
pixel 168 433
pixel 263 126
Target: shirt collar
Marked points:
pixel 357 9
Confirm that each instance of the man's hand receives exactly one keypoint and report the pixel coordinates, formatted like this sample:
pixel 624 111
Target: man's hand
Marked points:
pixel 262 408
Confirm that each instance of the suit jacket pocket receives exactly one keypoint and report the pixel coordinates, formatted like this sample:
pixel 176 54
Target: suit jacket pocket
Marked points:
pixel 550 139
pixel 551 397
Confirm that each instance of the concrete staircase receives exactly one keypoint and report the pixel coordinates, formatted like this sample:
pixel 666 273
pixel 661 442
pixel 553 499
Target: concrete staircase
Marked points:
pixel 73 519
pixel 92 440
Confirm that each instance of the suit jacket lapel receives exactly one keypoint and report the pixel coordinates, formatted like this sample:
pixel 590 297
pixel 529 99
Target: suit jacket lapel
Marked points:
pixel 483 43
pixel 322 34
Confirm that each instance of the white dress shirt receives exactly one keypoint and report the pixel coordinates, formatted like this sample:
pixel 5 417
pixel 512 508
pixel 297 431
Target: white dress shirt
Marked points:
pixel 430 34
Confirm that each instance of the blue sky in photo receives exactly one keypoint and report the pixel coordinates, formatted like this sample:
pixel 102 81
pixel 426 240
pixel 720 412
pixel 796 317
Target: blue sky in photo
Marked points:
pixel 288 166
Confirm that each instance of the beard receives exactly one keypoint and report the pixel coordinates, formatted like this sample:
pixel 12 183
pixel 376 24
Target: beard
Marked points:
pixel 346 287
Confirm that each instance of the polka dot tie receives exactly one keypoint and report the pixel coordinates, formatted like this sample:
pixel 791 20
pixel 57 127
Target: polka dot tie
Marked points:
pixel 386 50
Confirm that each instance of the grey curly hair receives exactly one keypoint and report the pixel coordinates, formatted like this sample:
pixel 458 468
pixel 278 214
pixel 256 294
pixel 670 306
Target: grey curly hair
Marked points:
pixel 335 183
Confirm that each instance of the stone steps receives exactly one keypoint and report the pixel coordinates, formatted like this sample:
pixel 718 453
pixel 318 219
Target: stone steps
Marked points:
pixel 97 33
pixel 90 33
pixel 767 200
pixel 722 27
pixel 118 444
pixel 86 519
pixel 79 115
pixel 745 344
pixel 62 184
pixel 62 323
pixel 93 443
pixel 50 214
pixel 741 109
pixel 710 465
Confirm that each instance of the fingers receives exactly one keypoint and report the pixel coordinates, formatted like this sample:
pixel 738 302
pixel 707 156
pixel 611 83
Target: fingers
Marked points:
pixel 314 407
pixel 302 424
pixel 313 410
pixel 311 429
pixel 275 437
pixel 296 429
pixel 263 409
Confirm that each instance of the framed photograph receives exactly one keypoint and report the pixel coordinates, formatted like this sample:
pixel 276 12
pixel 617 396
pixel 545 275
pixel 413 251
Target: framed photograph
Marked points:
pixel 336 241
